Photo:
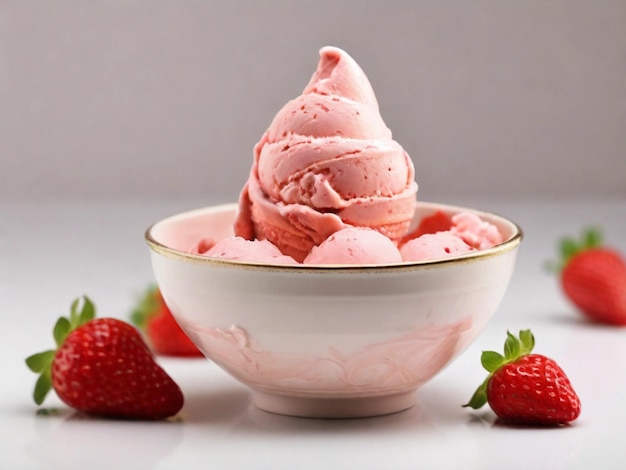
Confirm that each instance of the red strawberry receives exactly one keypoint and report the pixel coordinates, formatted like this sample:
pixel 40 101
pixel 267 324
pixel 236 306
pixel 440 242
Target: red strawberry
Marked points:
pixel 526 388
pixel 159 327
pixel 103 367
pixel 593 278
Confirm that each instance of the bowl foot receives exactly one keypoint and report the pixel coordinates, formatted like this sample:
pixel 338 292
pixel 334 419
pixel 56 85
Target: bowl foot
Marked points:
pixel 354 407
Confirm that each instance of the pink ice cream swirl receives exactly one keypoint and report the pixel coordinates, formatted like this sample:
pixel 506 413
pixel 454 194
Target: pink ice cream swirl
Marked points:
pixel 327 162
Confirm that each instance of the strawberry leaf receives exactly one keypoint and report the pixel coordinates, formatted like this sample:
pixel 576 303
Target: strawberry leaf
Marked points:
pixel 147 306
pixel 74 312
pixel 568 247
pixel 511 347
pixel 479 398
pixel 527 341
pixel 491 360
pixel 61 329
pixel 42 387
pixel 40 361
pixel 592 238
pixel 88 312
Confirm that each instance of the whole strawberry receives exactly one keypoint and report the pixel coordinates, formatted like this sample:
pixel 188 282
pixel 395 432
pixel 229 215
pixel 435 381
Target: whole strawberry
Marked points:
pixel 103 367
pixel 526 388
pixel 164 335
pixel 593 277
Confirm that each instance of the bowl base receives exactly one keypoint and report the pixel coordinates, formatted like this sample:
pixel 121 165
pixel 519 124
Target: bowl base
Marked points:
pixel 354 407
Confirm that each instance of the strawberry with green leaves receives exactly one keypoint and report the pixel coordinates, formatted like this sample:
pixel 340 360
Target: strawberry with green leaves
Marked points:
pixel 103 367
pixel 525 388
pixel 156 322
pixel 593 277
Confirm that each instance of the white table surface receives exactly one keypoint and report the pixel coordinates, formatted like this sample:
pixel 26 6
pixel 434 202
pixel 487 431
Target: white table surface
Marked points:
pixel 52 252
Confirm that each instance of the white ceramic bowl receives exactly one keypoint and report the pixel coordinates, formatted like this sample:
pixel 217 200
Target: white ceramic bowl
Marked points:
pixel 328 341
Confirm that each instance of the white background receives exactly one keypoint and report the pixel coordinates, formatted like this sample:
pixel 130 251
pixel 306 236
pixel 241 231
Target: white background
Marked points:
pixel 167 98
pixel 114 114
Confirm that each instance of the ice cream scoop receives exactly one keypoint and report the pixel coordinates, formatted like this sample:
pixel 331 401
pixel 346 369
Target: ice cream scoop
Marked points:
pixel 327 162
pixel 255 251
pixel 474 231
pixel 355 246
pixel 433 246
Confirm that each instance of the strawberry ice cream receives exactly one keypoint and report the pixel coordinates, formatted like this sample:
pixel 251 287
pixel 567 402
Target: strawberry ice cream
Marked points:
pixel 326 162
pixel 355 245
pixel 441 237
pixel 256 251
pixel 329 185
pixel 433 246
pixel 474 231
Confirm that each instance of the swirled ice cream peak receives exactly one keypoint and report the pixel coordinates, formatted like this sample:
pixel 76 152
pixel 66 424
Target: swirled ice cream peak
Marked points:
pixel 327 162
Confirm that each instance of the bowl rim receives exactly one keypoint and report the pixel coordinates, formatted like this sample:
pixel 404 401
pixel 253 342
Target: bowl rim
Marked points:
pixel 504 247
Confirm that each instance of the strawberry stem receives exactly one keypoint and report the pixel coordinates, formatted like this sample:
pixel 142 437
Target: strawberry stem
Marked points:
pixel 41 363
pixel 568 247
pixel 514 348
